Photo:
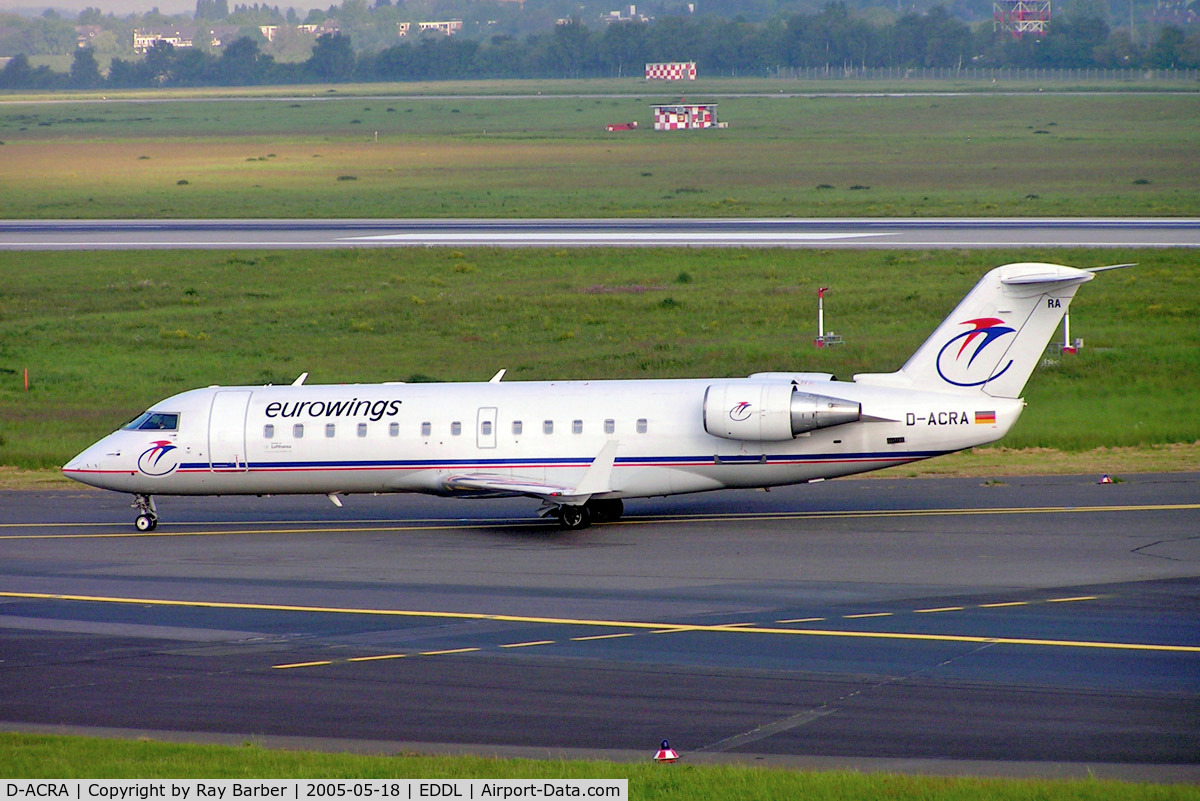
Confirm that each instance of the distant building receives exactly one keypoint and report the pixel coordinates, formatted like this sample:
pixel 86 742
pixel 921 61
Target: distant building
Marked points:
pixel 626 14
pixel 327 27
pixel 86 34
pixel 269 32
pixel 450 27
pixel 183 36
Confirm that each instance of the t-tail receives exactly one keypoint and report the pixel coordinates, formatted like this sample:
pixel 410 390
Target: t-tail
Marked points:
pixel 997 335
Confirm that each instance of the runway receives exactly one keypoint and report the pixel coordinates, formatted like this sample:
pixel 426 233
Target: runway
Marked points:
pixel 1017 626
pixel 715 232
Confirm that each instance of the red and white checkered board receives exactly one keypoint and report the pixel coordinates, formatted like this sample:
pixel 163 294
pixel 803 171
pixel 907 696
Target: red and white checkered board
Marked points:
pixel 671 71
pixel 693 117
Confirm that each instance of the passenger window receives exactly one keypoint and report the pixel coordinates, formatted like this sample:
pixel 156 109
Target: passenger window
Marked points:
pixel 426 429
pixel 455 428
pixel 609 426
pixel 576 426
pixel 330 429
pixel 485 428
pixel 548 427
pixel 641 425
pixel 393 429
pixel 362 429
pixel 268 431
pixel 517 427
pixel 298 431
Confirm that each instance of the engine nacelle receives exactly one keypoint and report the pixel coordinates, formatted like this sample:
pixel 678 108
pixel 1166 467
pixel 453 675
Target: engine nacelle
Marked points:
pixel 771 412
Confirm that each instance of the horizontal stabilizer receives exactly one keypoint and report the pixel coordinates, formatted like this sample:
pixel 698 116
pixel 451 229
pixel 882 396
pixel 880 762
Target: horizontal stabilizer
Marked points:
pixel 1110 267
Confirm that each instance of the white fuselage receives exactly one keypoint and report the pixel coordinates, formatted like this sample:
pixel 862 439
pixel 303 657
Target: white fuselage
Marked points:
pixel 397 437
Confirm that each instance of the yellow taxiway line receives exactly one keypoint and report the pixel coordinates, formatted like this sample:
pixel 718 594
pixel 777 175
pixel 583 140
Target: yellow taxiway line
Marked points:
pixel 456 525
pixel 618 624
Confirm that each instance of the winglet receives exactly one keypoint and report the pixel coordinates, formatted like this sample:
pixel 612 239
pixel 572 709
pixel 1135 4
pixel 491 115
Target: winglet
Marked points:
pixel 300 379
pixel 496 378
pixel 598 477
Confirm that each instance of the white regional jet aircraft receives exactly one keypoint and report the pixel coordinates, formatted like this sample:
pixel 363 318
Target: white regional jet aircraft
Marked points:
pixel 583 446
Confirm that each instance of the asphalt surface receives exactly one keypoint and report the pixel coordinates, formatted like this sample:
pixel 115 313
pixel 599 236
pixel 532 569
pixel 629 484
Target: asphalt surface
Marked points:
pixel 1031 626
pixel 717 232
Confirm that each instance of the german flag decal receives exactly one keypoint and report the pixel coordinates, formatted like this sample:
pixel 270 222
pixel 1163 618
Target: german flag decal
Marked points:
pixel 985 418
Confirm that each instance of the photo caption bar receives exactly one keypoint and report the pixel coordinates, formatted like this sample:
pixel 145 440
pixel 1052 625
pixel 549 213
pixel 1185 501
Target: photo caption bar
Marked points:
pixel 312 789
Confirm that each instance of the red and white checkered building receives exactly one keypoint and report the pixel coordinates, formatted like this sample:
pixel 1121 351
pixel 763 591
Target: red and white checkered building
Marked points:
pixel 685 117
pixel 671 71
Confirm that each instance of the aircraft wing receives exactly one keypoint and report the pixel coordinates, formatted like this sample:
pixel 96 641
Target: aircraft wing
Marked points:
pixel 495 484
pixel 595 480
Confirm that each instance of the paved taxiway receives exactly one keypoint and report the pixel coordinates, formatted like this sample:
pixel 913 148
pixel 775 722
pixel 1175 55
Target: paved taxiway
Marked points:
pixel 717 232
pixel 1029 625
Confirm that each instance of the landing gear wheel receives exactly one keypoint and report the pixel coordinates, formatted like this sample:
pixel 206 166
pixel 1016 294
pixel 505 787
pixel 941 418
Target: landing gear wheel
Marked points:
pixel 147 519
pixel 574 517
pixel 603 510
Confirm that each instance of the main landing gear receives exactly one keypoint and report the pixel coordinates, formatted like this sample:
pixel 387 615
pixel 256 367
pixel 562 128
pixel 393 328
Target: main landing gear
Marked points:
pixel 600 510
pixel 147 519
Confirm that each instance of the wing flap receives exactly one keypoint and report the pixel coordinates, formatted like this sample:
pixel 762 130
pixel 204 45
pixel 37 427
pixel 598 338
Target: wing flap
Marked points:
pixel 495 483
pixel 596 480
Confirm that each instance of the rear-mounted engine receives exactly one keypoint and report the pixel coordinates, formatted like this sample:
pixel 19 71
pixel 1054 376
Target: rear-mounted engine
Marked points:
pixel 771 412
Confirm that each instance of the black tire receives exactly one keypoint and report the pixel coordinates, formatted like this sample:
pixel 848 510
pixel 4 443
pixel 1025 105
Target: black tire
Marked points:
pixel 603 510
pixel 574 517
pixel 145 523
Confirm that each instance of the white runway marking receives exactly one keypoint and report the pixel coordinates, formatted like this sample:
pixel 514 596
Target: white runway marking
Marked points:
pixel 610 238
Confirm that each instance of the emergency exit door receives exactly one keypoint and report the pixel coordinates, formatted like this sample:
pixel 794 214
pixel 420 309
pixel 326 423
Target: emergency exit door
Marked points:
pixel 485 427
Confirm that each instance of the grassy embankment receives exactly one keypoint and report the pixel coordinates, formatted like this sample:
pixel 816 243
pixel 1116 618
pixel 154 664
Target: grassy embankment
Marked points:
pixel 105 335
pixel 33 756
pixel 971 155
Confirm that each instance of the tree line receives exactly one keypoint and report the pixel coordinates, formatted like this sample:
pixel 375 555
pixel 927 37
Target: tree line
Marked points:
pixel 833 37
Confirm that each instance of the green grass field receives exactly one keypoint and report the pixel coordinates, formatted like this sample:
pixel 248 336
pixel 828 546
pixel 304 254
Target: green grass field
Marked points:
pixel 105 334
pixel 549 156
pixel 33 756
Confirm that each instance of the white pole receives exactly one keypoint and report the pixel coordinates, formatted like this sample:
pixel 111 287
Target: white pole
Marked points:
pixel 1066 331
pixel 821 316
pixel 821 312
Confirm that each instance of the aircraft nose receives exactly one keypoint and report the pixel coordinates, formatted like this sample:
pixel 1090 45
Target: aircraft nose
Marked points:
pixel 91 464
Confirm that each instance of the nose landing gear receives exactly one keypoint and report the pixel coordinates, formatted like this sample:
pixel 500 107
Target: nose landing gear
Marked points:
pixel 147 519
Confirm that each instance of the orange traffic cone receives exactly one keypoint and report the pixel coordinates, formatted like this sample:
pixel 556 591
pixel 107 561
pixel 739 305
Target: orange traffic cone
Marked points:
pixel 665 753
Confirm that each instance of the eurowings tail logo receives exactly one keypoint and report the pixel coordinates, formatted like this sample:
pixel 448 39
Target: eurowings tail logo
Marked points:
pixel 957 365
pixel 152 461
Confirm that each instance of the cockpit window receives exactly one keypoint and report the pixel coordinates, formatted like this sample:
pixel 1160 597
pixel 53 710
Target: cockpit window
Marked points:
pixel 155 421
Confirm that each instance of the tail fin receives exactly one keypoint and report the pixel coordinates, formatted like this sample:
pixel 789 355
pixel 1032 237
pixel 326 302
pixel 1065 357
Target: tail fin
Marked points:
pixel 995 337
